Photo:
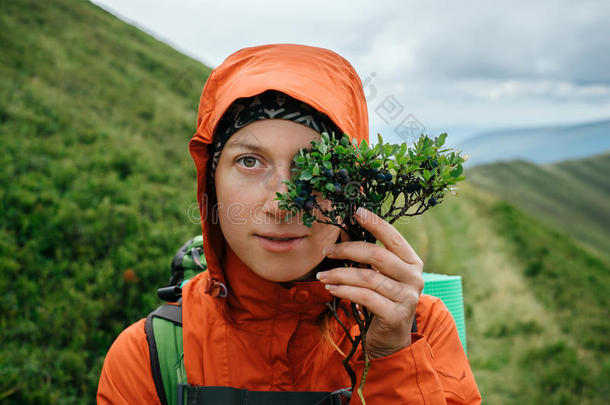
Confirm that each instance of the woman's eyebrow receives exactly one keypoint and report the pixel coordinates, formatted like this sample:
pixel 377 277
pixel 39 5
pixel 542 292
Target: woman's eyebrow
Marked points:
pixel 256 147
pixel 245 145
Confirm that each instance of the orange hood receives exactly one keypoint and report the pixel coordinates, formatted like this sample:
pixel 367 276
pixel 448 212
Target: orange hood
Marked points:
pixel 316 76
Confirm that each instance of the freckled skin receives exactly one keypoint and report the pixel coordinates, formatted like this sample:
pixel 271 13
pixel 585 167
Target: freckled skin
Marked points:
pixel 246 183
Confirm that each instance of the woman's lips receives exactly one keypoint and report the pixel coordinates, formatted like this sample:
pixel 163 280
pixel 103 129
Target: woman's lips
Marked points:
pixel 279 246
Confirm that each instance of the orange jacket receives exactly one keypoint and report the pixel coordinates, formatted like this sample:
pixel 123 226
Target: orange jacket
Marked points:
pixel 264 336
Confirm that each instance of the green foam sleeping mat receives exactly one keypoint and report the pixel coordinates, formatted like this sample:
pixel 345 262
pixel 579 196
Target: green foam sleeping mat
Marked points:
pixel 449 290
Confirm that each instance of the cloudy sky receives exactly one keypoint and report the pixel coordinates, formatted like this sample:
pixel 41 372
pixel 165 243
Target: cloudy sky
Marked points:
pixel 460 67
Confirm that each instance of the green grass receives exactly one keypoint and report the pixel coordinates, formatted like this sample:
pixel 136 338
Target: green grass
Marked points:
pixel 536 312
pixel 571 196
pixel 96 179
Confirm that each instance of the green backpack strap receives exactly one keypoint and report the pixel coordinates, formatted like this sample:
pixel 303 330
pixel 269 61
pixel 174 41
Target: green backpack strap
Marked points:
pixel 163 329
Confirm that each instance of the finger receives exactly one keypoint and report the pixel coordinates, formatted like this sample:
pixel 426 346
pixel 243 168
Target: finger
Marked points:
pixel 378 257
pixel 374 302
pixel 367 278
pixel 344 236
pixel 388 235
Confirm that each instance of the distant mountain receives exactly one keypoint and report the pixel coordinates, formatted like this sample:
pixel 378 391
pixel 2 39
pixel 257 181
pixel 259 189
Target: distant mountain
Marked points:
pixel 538 145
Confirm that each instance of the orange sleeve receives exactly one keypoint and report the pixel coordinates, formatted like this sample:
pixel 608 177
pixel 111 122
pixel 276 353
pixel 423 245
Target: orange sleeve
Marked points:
pixel 126 376
pixel 433 370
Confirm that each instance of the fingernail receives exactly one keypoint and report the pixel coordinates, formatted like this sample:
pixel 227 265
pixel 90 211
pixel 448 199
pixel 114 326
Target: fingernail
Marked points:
pixel 328 250
pixel 330 286
pixel 320 275
pixel 360 212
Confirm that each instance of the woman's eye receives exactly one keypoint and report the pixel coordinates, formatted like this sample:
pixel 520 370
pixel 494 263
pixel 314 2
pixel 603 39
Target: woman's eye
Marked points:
pixel 248 161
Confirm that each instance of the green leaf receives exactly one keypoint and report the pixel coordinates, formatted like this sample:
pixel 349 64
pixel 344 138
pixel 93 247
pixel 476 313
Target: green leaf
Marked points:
pixel 402 150
pixel 363 146
pixel 322 148
pixel 329 187
pixel 316 170
pixel 305 175
pixel 440 141
pixel 426 174
pixel 325 137
pixel 457 171
pixel 327 165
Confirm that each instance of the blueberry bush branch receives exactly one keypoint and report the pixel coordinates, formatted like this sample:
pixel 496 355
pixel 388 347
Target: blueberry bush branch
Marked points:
pixel 393 181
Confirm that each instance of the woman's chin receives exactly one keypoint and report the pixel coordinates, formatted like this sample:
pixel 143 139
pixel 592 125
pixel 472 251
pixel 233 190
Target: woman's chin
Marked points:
pixel 283 277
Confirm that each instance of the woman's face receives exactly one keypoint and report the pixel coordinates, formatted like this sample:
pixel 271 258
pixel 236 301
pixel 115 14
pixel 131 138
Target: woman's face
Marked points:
pixel 249 173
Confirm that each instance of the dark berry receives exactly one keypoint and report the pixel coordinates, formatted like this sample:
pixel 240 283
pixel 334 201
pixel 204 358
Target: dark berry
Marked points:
pixel 342 172
pixel 411 188
pixel 388 177
pixel 432 201
pixel 299 201
pixel 381 177
pixel 327 173
pixel 309 204
pixel 337 188
pixel 344 179
pixel 433 163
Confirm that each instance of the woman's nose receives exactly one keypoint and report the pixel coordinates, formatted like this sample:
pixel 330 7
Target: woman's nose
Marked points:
pixel 276 185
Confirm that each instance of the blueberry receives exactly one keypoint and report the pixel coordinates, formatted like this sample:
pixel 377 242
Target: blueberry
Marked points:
pixel 342 172
pixel 337 188
pixel 343 179
pixel 381 177
pixel 432 201
pixel 327 173
pixel 388 176
pixel 309 204
pixel 411 188
pixel 299 201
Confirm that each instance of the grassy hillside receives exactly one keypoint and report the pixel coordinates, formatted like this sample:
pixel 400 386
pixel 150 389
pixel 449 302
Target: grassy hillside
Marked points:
pixel 571 196
pixel 536 302
pixel 96 179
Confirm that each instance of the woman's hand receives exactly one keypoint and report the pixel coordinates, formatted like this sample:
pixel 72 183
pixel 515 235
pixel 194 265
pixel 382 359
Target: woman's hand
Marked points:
pixel 390 289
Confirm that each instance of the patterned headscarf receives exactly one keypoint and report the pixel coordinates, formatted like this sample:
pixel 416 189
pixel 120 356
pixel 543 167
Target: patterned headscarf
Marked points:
pixel 269 104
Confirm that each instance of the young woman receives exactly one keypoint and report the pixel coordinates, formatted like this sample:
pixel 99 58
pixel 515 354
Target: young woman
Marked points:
pixel 257 320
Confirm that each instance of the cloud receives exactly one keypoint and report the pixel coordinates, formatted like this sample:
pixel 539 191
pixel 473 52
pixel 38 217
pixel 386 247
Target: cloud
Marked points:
pixel 447 63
